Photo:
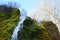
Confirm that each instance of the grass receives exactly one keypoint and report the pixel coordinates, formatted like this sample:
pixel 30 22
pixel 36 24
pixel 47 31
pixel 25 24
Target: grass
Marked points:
pixel 7 25
pixel 33 31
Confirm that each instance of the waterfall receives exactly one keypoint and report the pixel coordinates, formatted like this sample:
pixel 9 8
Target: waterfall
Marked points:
pixel 20 25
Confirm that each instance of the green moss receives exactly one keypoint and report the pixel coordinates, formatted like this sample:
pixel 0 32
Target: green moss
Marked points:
pixel 8 23
pixel 32 31
pixel 2 16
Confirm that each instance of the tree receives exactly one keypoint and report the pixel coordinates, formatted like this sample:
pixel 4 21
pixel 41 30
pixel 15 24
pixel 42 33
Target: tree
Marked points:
pixel 54 16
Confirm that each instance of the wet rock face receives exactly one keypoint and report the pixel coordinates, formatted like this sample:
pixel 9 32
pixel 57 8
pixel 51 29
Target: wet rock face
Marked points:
pixel 52 29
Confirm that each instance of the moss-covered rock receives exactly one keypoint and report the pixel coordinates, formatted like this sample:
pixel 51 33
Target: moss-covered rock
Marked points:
pixel 33 31
pixel 52 29
pixel 8 21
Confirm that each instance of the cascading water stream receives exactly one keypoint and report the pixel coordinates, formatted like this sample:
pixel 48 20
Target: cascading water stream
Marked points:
pixel 20 25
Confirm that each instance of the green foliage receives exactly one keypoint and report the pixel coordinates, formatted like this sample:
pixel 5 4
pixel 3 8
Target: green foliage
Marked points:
pixel 8 23
pixel 32 31
pixel 2 16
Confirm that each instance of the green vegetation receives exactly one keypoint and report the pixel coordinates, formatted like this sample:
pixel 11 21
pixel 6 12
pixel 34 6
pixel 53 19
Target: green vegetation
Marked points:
pixel 32 31
pixel 8 21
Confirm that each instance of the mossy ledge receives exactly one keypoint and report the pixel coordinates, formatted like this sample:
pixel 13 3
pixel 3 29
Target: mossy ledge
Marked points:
pixel 8 21
pixel 33 31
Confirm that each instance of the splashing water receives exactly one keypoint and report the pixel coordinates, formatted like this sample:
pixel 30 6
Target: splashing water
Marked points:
pixel 20 25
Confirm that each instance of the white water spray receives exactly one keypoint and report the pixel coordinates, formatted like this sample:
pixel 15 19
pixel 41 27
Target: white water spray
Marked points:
pixel 20 25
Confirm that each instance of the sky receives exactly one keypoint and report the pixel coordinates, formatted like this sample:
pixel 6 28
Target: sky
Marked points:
pixel 25 4
pixel 28 5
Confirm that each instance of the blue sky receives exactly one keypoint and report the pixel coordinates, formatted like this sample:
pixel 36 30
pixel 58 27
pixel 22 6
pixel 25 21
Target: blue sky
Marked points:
pixel 25 4
pixel 28 5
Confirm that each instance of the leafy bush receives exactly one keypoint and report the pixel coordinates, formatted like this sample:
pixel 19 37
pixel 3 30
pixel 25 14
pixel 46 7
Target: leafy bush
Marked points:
pixel 32 31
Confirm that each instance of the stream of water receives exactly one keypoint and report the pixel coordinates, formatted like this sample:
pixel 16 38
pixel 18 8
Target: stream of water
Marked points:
pixel 20 25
